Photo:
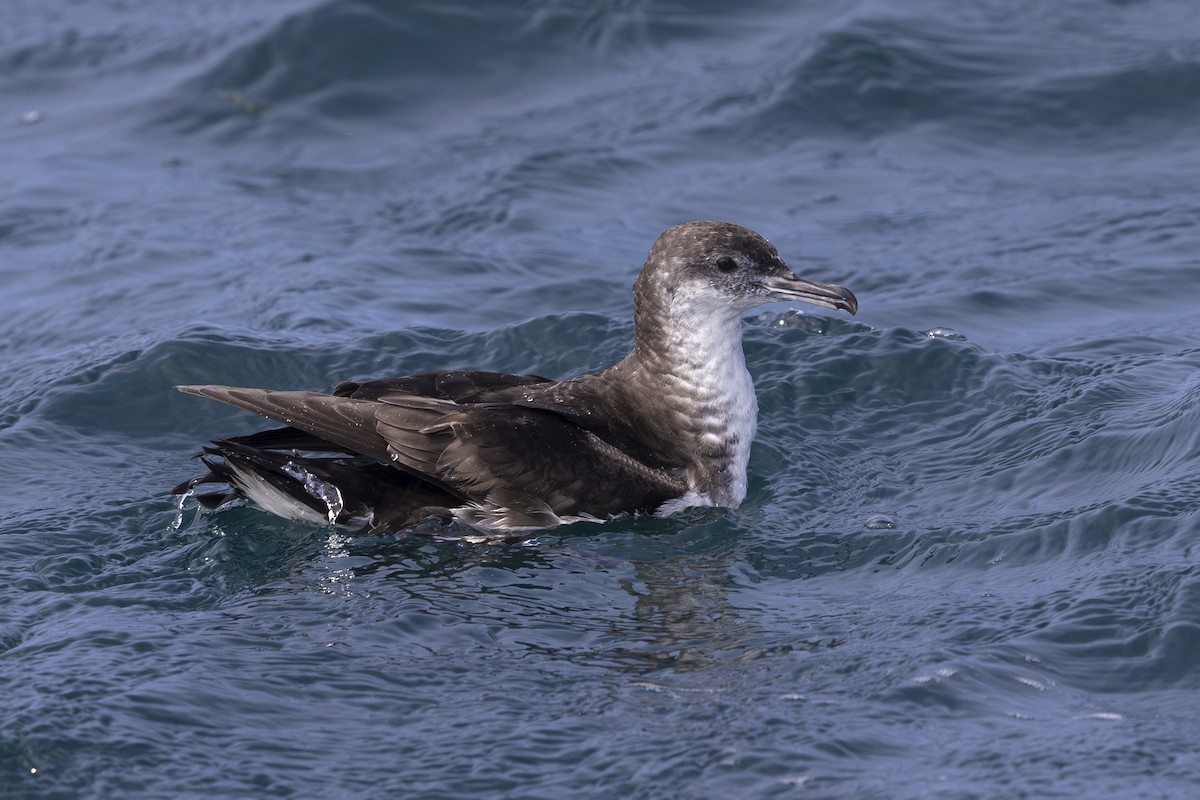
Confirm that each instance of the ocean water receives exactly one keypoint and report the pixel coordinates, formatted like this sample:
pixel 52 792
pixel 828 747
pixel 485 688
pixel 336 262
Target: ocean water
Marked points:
pixel 967 565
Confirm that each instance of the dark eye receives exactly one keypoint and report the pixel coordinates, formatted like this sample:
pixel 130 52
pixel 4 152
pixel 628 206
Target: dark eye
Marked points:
pixel 726 264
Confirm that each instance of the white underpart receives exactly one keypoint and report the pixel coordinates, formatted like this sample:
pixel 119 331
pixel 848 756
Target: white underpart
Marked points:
pixel 688 500
pixel 272 500
pixel 711 370
pixel 263 494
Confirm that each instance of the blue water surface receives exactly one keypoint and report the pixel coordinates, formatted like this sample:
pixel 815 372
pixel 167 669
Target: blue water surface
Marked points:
pixel 967 565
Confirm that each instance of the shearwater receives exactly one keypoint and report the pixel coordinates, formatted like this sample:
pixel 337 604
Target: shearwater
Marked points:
pixel 669 426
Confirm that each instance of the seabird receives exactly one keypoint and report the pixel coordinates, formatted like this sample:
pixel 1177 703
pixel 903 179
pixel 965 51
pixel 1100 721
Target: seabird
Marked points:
pixel 668 426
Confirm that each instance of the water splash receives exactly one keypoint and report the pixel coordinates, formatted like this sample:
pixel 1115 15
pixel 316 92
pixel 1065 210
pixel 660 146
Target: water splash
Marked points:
pixel 177 522
pixel 318 489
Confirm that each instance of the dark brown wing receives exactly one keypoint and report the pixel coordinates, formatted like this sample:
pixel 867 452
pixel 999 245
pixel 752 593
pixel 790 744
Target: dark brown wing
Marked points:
pixel 340 420
pixel 607 408
pixel 461 386
pixel 533 464
pixel 289 439
pixel 458 385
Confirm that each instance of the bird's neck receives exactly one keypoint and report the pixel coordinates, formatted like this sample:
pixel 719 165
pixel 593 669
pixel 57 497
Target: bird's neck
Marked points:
pixel 690 361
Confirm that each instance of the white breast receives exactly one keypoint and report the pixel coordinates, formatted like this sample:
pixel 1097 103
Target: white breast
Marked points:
pixel 711 374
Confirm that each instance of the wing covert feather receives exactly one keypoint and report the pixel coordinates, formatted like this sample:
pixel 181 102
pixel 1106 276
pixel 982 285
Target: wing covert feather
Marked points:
pixel 520 458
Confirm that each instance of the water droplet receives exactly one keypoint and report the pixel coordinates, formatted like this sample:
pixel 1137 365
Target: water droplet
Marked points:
pixel 794 318
pixel 879 522
pixel 945 333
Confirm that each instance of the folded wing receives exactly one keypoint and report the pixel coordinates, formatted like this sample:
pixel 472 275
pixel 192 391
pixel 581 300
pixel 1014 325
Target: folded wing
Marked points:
pixel 513 466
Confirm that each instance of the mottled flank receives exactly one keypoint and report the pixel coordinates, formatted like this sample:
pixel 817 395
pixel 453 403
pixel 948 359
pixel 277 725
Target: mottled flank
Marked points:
pixel 668 426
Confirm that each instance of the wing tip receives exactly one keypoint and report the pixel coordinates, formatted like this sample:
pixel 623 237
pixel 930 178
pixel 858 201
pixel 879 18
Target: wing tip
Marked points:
pixel 202 389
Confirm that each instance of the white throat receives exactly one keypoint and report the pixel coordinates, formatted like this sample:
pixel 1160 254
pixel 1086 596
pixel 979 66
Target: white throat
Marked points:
pixel 709 368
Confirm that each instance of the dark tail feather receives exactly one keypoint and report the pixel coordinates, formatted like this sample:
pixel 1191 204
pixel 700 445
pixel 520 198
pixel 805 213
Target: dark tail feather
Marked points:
pixel 215 474
pixel 209 500
pixel 289 439
pixel 341 490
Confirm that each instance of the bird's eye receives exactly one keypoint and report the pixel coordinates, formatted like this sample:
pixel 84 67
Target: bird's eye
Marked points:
pixel 726 264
